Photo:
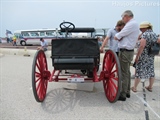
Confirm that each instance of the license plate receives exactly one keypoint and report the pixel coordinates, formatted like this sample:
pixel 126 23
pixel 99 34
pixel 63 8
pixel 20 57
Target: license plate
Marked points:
pixel 75 79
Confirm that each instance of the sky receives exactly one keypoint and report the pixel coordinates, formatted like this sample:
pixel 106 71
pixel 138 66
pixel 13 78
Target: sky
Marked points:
pixel 38 14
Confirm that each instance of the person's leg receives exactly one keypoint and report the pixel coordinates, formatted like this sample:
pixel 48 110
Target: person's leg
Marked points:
pixel 151 73
pixel 125 58
pixel 136 82
pixel 151 81
pixel 7 40
pixel 129 84
pixel 117 53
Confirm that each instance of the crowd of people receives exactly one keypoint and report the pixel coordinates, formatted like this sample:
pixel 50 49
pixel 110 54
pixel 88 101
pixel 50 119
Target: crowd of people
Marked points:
pixel 12 40
pixel 122 40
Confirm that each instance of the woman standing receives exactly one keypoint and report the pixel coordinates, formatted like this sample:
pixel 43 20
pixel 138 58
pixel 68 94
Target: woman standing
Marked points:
pixel 144 61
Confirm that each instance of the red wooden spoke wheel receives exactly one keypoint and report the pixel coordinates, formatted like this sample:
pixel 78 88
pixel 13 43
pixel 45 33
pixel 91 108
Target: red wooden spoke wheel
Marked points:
pixel 40 76
pixel 112 76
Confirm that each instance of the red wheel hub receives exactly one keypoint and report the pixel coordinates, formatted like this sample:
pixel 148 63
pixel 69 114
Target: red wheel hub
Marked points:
pixel 46 75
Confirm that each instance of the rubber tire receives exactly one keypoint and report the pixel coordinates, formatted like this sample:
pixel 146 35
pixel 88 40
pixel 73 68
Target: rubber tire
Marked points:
pixel 23 43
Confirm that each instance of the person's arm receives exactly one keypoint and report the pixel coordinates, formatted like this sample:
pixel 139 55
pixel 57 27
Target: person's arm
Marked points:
pixel 139 37
pixel 141 48
pixel 158 41
pixel 128 28
pixel 109 34
pixel 104 43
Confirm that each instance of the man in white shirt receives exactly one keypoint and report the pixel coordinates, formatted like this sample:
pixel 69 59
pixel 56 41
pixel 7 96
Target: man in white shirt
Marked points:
pixel 44 45
pixel 127 38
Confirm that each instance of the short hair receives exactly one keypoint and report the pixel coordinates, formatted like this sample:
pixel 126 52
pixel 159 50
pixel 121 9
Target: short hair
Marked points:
pixel 120 23
pixel 128 12
pixel 41 39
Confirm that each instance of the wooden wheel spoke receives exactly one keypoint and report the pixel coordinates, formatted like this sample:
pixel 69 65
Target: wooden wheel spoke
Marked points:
pixel 41 62
pixel 116 79
pixel 113 84
pixel 105 83
pixel 37 74
pixel 39 59
pixel 38 86
pixel 112 73
pixel 41 91
pixel 38 79
pixel 109 58
pixel 112 65
pixel 110 86
pixel 111 90
pixel 37 65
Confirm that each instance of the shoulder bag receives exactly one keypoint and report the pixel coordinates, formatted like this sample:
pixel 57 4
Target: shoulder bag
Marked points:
pixel 154 48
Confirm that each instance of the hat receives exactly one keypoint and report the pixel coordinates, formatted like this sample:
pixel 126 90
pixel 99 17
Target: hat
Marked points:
pixel 145 24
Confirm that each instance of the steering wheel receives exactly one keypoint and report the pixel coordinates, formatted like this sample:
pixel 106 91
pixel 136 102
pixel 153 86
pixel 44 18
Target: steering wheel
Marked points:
pixel 67 26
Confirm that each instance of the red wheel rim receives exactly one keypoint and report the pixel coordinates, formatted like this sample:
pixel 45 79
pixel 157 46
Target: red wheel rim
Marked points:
pixel 111 78
pixel 40 76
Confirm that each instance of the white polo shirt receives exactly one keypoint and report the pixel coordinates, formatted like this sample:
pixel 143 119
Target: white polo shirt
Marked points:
pixel 128 35
pixel 44 44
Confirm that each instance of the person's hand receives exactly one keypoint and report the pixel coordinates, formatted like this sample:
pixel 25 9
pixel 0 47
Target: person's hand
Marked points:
pixel 136 60
pixel 38 48
pixel 101 50
pixel 116 38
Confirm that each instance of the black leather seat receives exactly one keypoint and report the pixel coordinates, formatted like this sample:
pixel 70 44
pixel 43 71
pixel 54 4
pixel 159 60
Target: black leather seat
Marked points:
pixel 75 53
